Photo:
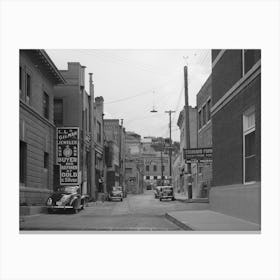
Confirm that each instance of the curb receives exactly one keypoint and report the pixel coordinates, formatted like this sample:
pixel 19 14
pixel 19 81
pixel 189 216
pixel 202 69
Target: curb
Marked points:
pixel 192 200
pixel 177 222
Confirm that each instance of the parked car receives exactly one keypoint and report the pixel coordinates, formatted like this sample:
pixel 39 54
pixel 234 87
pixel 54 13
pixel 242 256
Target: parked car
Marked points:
pixel 67 197
pixel 166 192
pixel 157 191
pixel 116 194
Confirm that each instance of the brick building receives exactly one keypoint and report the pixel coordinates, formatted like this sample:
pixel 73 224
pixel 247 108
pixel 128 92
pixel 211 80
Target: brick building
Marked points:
pixel 204 136
pixel 236 126
pixel 133 163
pixel 37 77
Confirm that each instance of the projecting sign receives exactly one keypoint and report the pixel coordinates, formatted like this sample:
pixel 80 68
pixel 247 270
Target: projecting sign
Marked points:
pixel 68 155
pixel 198 154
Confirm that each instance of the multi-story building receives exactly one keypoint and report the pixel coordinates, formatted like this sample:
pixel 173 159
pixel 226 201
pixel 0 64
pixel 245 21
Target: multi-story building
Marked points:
pixel 133 163
pixel 204 136
pixel 115 132
pixel 155 161
pixel 74 107
pixel 236 126
pixel 37 77
pixel 188 172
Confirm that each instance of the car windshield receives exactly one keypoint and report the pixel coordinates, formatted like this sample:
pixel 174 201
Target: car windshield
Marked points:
pixel 68 189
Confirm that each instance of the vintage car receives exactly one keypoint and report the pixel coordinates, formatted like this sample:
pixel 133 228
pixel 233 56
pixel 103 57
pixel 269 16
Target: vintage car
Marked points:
pixel 157 191
pixel 166 192
pixel 116 194
pixel 67 197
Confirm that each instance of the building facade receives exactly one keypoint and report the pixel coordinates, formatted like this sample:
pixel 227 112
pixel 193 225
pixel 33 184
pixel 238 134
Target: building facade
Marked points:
pixel 37 77
pixel 187 172
pixel 204 136
pixel 236 126
pixel 133 163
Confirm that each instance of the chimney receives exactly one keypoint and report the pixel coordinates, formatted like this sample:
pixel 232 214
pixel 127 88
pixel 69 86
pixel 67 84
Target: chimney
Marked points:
pixel 99 101
pixel 91 88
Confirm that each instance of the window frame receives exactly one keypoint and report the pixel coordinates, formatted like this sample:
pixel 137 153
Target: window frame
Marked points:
pixel 23 168
pixel 54 111
pixel 247 131
pixel 45 94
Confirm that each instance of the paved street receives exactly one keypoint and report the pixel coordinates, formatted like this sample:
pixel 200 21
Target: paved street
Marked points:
pixel 136 212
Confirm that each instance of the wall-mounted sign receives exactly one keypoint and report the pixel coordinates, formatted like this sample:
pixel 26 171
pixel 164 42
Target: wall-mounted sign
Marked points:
pixel 68 155
pixel 198 154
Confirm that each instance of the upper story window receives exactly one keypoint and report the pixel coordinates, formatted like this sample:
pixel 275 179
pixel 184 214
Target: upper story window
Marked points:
pixel 208 105
pixel 147 168
pixel 20 79
pixel 249 59
pixel 155 168
pixel 28 88
pixel 204 115
pixel 98 132
pixel 46 105
pixel 58 112
pixel 200 119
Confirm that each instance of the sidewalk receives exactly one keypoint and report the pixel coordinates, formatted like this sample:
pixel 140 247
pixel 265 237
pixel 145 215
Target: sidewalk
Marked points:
pixel 207 220
pixel 184 198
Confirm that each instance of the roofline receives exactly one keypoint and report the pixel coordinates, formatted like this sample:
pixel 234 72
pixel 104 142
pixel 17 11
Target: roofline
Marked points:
pixel 50 62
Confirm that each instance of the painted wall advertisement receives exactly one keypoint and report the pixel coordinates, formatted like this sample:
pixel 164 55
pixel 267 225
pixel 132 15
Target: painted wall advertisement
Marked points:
pixel 68 155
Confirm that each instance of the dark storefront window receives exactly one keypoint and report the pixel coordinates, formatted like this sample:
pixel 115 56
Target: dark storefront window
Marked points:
pixel 46 105
pixel 58 112
pixel 250 157
pixel 23 162
pixel 250 57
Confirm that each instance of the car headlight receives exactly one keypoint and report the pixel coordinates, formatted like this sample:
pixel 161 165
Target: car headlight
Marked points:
pixel 49 201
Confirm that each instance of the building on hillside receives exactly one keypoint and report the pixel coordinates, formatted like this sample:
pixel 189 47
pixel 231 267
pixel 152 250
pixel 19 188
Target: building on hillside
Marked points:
pixel 236 126
pixel 204 136
pixel 37 77
pixel 188 184
pixel 156 163
pixel 133 163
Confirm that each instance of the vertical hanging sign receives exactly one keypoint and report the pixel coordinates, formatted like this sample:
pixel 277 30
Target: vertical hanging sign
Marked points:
pixel 68 155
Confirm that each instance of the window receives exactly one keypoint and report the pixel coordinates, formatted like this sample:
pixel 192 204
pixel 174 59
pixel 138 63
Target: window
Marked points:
pixel 58 112
pixel 199 119
pixel 155 168
pixel 204 114
pixel 163 168
pixel 20 78
pixel 147 168
pixel 46 160
pixel 155 177
pixel 208 109
pixel 23 162
pixel 148 177
pixel 28 88
pixel 249 146
pixel 46 105
pixel 249 58
pixel 98 132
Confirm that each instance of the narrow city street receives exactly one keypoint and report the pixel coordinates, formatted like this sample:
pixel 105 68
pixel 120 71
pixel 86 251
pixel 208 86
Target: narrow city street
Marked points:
pixel 136 213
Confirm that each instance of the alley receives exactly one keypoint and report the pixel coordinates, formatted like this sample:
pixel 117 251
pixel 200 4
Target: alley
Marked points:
pixel 135 213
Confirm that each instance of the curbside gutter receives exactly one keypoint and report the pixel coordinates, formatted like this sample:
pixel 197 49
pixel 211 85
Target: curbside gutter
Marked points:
pixel 177 222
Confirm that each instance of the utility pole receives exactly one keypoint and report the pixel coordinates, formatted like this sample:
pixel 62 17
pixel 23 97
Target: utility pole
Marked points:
pixel 92 146
pixel 120 154
pixel 170 147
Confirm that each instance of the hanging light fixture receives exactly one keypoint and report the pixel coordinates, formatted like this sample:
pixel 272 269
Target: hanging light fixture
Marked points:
pixel 153 110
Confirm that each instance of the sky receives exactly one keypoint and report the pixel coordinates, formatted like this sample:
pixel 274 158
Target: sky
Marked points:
pixel 133 82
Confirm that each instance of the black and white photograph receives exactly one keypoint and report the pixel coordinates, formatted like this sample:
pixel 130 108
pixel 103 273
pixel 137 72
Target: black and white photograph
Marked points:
pixel 140 140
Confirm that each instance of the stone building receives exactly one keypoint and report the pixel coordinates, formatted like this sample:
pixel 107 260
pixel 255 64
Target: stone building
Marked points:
pixel 37 77
pixel 236 126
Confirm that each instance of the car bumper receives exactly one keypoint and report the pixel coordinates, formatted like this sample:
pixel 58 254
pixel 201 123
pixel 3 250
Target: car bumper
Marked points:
pixel 60 207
